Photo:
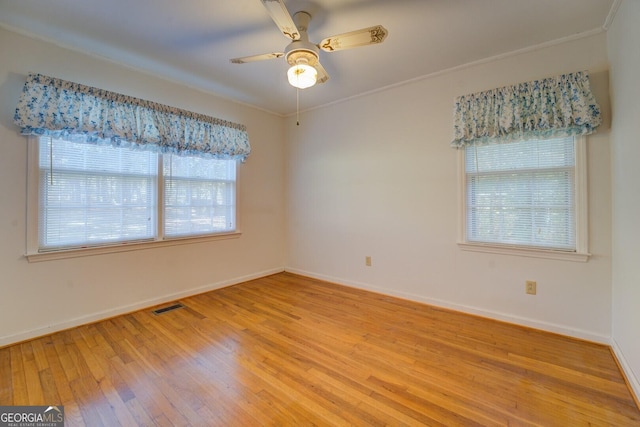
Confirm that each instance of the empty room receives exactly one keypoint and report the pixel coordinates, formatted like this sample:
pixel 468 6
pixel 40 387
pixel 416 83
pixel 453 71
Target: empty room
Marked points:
pixel 319 212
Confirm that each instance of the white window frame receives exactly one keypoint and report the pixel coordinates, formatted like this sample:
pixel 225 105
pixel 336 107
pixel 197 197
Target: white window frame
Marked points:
pixel 581 253
pixel 32 245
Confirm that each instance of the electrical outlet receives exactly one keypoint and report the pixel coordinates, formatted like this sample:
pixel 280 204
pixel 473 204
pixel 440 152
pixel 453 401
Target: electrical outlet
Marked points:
pixel 367 261
pixel 530 287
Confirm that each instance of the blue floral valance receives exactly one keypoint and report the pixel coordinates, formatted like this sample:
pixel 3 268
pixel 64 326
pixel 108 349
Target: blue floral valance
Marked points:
pixel 553 107
pixel 58 108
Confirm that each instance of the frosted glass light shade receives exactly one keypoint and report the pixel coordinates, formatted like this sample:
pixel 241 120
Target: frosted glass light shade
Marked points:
pixel 302 76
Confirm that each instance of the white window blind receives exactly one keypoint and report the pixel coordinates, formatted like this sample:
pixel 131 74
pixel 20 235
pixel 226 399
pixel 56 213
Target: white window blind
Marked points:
pixel 94 194
pixel 199 196
pixel 522 193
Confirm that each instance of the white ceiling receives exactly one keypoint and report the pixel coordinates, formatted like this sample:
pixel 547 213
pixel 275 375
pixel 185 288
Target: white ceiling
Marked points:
pixel 191 41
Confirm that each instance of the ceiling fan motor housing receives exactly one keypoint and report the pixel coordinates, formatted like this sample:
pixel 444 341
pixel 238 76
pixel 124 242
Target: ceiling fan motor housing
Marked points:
pixel 302 56
pixel 302 51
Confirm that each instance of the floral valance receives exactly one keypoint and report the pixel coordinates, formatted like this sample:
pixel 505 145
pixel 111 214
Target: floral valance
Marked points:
pixel 553 107
pixel 58 108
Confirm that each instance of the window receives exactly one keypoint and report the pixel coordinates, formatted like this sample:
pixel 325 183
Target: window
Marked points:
pixel 199 196
pixel 526 195
pixel 88 195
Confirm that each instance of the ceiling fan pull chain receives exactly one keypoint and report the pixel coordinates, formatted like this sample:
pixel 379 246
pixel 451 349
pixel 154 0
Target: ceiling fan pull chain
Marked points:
pixel 297 107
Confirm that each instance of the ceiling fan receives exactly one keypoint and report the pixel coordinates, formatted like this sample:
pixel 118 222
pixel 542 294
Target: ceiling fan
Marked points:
pixel 302 55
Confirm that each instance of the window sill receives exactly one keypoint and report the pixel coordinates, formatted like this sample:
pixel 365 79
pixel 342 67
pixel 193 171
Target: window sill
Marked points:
pixel 125 247
pixel 526 252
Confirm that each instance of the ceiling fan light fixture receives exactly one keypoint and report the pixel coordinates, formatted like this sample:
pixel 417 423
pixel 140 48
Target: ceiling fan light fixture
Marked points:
pixel 302 75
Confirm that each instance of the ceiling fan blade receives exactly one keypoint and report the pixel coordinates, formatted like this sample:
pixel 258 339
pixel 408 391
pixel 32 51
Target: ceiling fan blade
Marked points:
pixel 254 58
pixel 363 37
pixel 282 18
pixel 323 76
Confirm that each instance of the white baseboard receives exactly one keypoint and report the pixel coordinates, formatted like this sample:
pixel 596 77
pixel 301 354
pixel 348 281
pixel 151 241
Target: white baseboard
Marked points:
pixel 509 318
pixel 634 382
pixel 106 314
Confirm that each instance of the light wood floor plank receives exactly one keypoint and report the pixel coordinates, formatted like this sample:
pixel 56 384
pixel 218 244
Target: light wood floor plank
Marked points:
pixel 286 350
pixel 16 375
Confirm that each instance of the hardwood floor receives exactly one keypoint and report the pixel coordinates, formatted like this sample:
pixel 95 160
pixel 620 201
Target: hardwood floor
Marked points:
pixel 286 350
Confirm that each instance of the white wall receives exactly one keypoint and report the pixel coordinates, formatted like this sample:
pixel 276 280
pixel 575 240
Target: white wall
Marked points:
pixel 624 55
pixel 375 176
pixel 37 298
